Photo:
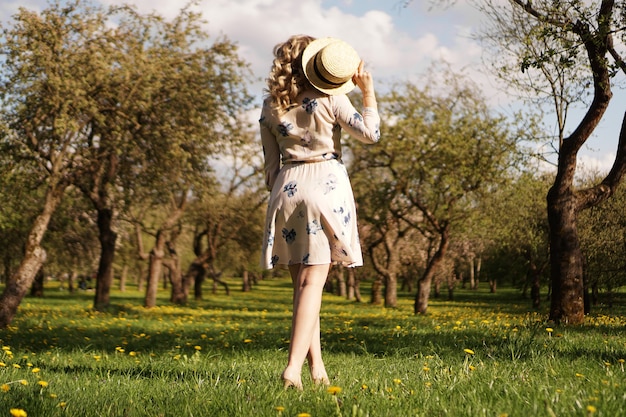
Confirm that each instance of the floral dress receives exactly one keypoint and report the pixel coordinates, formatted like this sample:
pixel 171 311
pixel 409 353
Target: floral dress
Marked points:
pixel 311 214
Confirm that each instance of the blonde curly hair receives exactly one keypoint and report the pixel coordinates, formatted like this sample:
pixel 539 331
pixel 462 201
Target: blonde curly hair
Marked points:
pixel 286 79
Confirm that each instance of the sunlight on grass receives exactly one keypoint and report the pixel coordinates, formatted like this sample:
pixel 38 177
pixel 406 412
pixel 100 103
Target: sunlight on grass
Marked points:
pixel 484 355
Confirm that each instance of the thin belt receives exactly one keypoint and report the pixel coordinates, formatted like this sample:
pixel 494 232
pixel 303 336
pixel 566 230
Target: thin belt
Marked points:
pixel 313 161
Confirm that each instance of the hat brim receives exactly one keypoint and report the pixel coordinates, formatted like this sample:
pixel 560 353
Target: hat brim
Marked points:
pixel 308 58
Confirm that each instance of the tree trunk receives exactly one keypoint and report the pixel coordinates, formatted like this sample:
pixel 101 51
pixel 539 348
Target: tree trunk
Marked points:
pixel 341 281
pixel 176 279
pixel 423 294
pixel 104 277
pixel 245 285
pixel 351 284
pixel 123 278
pixel 376 296
pixel 71 281
pixel 34 256
pixel 478 265
pixel 566 268
pixel 472 275
pixel 155 270
pixel 452 280
pixel 217 279
pixel 197 284
pixel 391 290
pixel 432 266
pixel 36 290
pixel 177 295
pixel 437 288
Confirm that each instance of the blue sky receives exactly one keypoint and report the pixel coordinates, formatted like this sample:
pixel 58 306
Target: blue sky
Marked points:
pixel 397 43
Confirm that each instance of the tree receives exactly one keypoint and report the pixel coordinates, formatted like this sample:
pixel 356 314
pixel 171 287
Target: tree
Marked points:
pixel 518 231
pixel 566 53
pixel 227 219
pixel 603 239
pixel 46 110
pixel 443 149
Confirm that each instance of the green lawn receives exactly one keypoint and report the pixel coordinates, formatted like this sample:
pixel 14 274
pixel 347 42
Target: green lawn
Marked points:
pixel 481 355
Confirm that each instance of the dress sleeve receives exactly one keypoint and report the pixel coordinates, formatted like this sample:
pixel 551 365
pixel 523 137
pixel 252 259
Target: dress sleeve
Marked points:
pixel 365 127
pixel 271 151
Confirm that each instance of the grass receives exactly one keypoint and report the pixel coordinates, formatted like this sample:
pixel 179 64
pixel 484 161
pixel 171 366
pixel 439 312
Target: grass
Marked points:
pixel 481 355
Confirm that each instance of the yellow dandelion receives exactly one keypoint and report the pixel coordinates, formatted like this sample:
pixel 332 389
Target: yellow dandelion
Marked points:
pixel 197 347
pixel 53 395
pixel 579 375
pixel 62 404
pixel 2 364
pixel 303 415
pixel 363 386
pixel 397 381
pixel 472 368
pixel 468 351
pixel 426 369
pixel 591 409
pixel 23 382
pixel 36 370
pixel 247 341
pixel 132 353
pixel 97 357
pixel 18 412
pixel 333 390
pixel 279 408
pixel 42 384
pixel 16 366
pixel 5 387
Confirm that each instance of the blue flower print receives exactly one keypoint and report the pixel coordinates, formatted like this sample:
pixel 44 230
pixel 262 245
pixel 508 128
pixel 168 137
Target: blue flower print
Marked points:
pixel 329 183
pixel 313 227
pixel 356 122
pixel 305 259
pixel 329 156
pixel 357 118
pixel 309 105
pixel 284 128
pixel 306 139
pixel 344 214
pixel 289 235
pixel 290 188
pixel 270 240
pixel 274 260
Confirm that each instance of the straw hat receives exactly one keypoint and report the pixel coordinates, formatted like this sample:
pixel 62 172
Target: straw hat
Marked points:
pixel 329 65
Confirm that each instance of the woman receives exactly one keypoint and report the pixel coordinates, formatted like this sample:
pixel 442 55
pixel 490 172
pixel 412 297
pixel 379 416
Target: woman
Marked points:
pixel 311 217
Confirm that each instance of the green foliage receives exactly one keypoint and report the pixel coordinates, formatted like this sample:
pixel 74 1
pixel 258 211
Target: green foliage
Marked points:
pixel 482 355
pixel 603 238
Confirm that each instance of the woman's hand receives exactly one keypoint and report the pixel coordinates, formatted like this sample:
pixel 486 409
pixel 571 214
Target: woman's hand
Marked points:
pixel 363 79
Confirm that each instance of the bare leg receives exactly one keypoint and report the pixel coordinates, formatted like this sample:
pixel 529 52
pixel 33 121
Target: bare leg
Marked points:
pixel 309 283
pixel 314 357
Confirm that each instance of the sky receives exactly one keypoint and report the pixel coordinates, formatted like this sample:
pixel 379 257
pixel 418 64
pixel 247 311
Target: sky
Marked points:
pixel 398 43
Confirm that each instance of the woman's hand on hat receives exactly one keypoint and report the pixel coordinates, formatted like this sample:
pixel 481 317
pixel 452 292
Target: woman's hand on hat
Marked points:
pixel 363 79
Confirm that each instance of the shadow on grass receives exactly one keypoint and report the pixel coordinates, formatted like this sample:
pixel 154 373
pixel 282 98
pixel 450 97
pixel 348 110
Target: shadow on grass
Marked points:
pixel 499 326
